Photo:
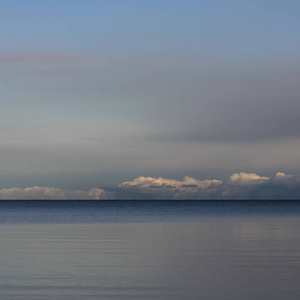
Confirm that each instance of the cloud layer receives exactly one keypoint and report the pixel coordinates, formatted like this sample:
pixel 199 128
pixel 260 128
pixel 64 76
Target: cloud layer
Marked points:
pixel 42 193
pixel 239 186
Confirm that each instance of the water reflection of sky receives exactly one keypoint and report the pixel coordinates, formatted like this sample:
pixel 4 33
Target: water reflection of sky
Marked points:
pixel 225 258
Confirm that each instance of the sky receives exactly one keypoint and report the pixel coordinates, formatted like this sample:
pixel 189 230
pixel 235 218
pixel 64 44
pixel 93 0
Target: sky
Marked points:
pixel 118 98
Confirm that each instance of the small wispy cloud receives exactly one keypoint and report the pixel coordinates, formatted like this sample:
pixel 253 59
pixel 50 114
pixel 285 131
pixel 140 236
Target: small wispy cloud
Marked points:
pixel 248 178
pixel 282 176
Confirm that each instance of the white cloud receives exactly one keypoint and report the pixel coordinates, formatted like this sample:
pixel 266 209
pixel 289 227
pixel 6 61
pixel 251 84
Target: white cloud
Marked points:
pixel 282 176
pixel 187 182
pixel 163 188
pixel 239 186
pixel 42 193
pixel 247 178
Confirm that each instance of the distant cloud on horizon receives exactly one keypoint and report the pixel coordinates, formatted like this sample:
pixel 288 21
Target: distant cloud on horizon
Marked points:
pixel 239 186
pixel 248 178
pixel 47 193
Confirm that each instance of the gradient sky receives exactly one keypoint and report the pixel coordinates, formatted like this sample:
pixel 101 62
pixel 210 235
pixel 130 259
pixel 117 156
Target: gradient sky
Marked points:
pixel 95 93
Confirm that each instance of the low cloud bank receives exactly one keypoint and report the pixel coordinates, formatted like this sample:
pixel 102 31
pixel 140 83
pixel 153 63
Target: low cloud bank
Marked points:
pixel 162 188
pixel 44 193
pixel 238 186
pixel 148 182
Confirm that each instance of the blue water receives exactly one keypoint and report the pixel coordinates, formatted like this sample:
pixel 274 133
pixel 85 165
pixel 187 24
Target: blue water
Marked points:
pixel 211 250
pixel 93 211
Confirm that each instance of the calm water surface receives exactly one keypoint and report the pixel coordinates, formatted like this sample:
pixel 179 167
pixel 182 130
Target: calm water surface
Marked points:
pixel 149 251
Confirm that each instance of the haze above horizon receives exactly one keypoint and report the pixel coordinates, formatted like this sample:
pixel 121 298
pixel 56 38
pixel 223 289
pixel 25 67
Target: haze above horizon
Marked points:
pixel 95 94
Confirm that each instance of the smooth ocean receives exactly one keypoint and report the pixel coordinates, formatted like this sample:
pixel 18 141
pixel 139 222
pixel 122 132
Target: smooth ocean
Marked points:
pixel 179 250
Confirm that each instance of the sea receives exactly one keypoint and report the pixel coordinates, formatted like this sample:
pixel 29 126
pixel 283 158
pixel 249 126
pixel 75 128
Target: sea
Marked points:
pixel 163 250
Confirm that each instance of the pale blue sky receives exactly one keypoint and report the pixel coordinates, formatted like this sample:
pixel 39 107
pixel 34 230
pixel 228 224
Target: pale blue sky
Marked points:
pixel 94 93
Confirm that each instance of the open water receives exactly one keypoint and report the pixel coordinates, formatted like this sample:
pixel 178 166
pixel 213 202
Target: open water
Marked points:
pixel 184 250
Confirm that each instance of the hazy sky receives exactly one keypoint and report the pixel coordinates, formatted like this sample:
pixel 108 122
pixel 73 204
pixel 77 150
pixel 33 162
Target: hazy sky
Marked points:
pixel 94 93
